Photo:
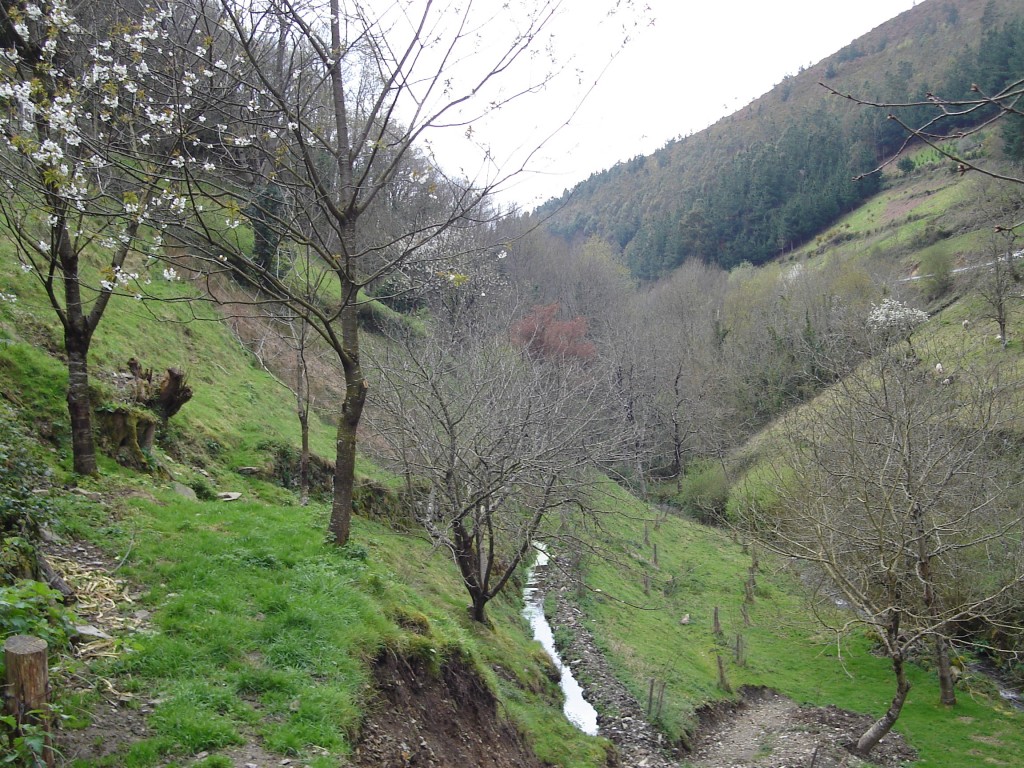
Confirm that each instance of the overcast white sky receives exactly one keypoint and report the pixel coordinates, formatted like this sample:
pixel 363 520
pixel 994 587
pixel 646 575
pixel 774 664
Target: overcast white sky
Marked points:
pixel 694 63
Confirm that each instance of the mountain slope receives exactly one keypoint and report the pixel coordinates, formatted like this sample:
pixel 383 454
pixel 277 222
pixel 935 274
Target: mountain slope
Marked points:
pixel 778 171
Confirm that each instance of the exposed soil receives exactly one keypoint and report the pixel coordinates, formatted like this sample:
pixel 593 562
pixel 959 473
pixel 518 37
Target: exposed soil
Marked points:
pixel 120 718
pixel 426 718
pixel 770 731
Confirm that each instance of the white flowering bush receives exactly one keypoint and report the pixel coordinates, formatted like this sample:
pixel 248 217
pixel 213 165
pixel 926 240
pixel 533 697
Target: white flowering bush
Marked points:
pixel 895 318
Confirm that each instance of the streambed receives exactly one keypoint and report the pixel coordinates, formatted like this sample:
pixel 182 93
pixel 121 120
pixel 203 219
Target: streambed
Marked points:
pixel 577 709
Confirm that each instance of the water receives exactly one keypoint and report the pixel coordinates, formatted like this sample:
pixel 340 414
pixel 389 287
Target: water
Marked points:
pixel 1012 696
pixel 577 709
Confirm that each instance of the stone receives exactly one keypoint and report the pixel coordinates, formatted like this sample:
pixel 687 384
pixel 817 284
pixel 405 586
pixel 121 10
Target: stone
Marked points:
pixel 183 490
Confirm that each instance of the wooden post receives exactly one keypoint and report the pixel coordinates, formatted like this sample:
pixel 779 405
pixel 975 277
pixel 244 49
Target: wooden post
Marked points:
pixel 723 681
pixel 716 625
pixel 27 685
pixel 741 651
pixel 748 587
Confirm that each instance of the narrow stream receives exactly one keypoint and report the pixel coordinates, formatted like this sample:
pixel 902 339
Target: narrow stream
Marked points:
pixel 577 709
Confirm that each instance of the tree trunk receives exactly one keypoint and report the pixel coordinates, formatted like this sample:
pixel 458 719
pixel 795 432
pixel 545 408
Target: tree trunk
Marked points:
pixel 345 462
pixel 477 610
pixel 304 456
pixel 27 687
pixel 947 694
pixel 884 724
pixel 466 558
pixel 83 446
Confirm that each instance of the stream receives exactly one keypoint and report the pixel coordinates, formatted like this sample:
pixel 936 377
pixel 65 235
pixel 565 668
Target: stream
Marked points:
pixel 577 709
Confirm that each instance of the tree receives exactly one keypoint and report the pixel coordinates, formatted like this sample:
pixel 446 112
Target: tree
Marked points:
pixel 998 283
pixel 893 486
pixel 681 315
pixel 80 203
pixel 544 337
pixel 495 445
pixel 330 106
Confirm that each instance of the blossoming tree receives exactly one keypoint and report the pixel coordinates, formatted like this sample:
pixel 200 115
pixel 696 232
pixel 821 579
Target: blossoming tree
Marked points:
pixel 76 108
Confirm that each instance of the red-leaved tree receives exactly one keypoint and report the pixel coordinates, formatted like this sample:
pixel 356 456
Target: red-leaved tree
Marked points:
pixel 543 336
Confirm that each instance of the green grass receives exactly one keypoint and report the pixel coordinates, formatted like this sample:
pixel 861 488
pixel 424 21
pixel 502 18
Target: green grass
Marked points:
pixel 699 568
pixel 259 630
pixel 263 629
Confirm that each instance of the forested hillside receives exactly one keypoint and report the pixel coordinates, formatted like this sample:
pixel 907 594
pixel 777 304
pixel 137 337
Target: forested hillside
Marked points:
pixel 768 178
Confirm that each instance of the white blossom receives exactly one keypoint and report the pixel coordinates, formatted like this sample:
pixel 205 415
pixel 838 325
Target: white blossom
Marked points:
pixel 170 274
pixel 892 315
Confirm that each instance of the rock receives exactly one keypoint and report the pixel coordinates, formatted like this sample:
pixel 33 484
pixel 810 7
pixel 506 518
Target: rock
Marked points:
pixel 183 490
pixel 229 496
pixel 90 632
pixel 248 470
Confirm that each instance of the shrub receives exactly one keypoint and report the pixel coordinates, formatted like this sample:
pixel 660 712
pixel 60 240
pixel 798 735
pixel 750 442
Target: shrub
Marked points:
pixel 31 608
pixel 704 491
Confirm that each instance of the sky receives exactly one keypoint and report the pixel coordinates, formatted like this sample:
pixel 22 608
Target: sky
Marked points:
pixel 686 65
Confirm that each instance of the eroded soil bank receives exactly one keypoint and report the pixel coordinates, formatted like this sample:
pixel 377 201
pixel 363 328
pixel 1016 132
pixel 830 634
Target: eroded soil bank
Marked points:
pixel 423 718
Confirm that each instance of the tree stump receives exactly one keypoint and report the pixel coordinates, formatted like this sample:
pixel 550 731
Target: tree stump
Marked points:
pixel 27 686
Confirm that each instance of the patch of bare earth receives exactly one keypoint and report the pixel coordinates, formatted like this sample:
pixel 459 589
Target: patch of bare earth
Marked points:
pixel 770 731
pixel 105 608
pixel 426 718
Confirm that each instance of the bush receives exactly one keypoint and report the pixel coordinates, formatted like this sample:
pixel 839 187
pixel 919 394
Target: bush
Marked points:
pixel 32 608
pixel 755 498
pixel 704 492
pixel 936 271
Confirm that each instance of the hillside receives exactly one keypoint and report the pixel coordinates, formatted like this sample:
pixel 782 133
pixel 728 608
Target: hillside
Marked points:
pixel 237 637
pixel 771 176
pixel 209 618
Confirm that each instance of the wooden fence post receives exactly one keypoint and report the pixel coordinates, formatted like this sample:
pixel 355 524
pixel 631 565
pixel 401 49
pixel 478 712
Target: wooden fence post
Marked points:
pixel 25 696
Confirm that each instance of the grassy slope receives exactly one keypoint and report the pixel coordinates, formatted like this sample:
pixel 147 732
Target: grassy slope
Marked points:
pixel 259 629
pixel 699 569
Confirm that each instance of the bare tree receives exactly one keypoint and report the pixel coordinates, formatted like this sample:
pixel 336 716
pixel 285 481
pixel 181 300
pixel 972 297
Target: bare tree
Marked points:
pixel 892 485
pixel 493 442
pixel 681 315
pixel 998 282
